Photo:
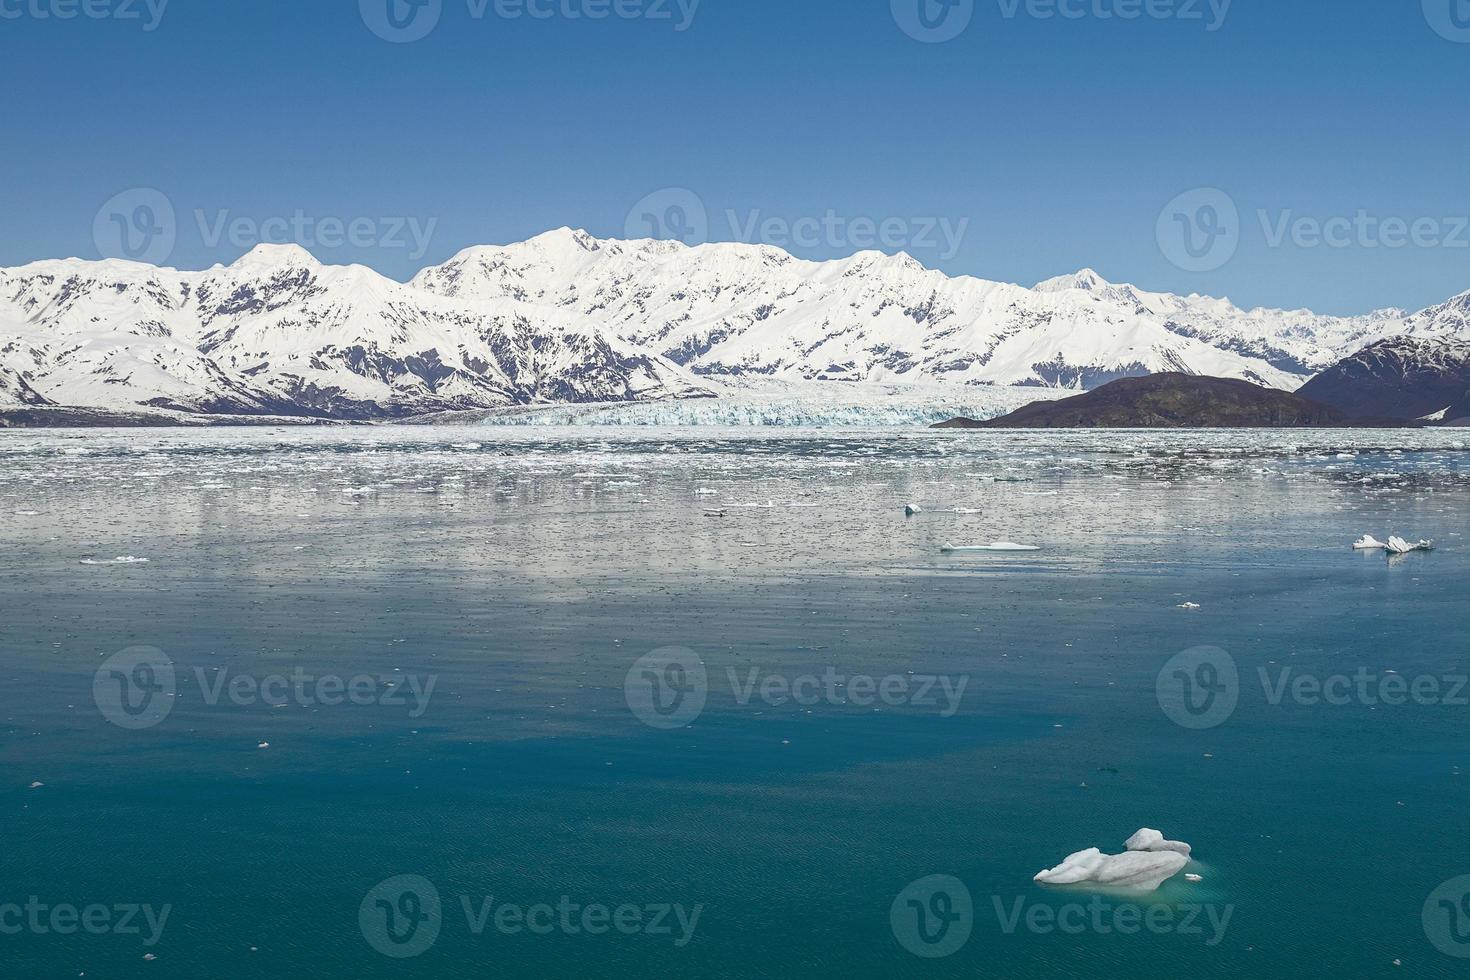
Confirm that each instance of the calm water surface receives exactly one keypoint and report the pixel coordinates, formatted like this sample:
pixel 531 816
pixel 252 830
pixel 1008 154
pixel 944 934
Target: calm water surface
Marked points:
pixel 524 574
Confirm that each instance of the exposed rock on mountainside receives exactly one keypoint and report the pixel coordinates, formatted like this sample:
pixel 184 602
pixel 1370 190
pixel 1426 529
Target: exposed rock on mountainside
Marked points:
pixel 1169 401
pixel 1407 377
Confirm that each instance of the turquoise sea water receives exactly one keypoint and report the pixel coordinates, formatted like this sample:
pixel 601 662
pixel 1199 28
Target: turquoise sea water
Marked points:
pixel 524 575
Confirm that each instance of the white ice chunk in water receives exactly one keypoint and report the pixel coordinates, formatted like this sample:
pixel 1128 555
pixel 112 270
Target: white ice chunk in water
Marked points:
pixel 1399 546
pixel 1141 870
pixel 1369 543
pixel 1153 840
pixel 993 546
pixel 912 509
pixel 1149 862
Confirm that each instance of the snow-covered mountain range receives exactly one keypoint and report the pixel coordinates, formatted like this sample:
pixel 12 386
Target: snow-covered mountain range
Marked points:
pixel 568 318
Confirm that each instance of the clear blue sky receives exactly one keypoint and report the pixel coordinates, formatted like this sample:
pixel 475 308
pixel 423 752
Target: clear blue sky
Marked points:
pixel 1059 140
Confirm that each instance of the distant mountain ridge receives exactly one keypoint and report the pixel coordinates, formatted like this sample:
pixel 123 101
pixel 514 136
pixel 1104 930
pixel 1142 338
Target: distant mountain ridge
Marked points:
pixel 569 318
pixel 1170 401
pixel 1405 377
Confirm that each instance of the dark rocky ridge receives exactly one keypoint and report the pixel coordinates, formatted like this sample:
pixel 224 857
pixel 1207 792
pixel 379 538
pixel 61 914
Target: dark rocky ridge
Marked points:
pixel 1406 377
pixel 1174 401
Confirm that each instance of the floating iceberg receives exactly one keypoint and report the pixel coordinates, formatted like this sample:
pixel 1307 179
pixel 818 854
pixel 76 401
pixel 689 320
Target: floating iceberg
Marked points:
pixel 1152 840
pixel 950 549
pixel 912 509
pixel 1149 862
pixel 1399 546
pixel 119 560
pixel 1369 543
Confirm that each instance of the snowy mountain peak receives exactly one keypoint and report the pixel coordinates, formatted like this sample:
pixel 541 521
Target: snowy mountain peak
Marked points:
pixel 565 316
pixel 267 256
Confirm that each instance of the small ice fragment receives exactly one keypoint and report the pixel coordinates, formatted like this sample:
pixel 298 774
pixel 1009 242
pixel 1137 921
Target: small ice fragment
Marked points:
pixel 263 745
pixel 1369 543
pixel 912 509
pixel 1399 546
pixel 37 785
pixel 1196 879
pixel 993 546
pixel 1190 605
pixel 120 560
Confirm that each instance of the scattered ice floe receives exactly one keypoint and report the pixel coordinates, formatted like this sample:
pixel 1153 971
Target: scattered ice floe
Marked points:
pixel 912 509
pixel 1002 546
pixel 1149 861
pixel 119 560
pixel 1394 546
